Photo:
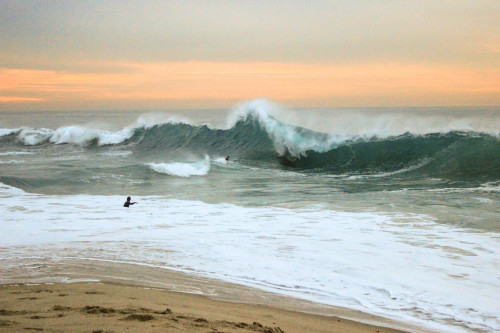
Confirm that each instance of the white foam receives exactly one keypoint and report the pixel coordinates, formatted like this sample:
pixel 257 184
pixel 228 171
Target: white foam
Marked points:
pixel 414 167
pixel 281 125
pixel 14 153
pixel 82 135
pixel 33 137
pixel 493 187
pixel 149 120
pixel 402 266
pixel 199 168
pixel 285 137
pixel 12 162
pixel 8 131
pixel 7 190
pixel 343 125
pixel 220 160
pixel 117 153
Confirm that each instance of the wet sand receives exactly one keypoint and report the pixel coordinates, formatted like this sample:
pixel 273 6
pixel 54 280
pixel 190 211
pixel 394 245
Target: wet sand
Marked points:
pixel 35 296
pixel 106 307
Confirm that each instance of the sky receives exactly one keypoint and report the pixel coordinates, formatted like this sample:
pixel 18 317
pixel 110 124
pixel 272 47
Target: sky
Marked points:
pixel 154 55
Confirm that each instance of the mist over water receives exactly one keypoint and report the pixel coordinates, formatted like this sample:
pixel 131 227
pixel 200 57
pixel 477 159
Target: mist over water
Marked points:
pixel 349 195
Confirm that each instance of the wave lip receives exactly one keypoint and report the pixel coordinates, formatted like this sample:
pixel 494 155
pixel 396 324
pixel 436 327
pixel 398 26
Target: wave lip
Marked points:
pixel 256 134
pixel 82 135
pixel 286 138
pixel 33 137
pixel 9 131
pixel 77 135
pixel 199 168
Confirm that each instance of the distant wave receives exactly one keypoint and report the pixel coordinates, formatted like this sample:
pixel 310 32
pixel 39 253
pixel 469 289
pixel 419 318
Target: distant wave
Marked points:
pixel 77 135
pixel 82 135
pixel 199 168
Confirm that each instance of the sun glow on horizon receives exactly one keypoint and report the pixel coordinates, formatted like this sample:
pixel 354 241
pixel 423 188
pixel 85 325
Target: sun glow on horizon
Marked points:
pixel 292 83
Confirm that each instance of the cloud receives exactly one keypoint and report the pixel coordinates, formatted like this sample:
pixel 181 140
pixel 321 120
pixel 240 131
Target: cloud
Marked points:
pixel 17 99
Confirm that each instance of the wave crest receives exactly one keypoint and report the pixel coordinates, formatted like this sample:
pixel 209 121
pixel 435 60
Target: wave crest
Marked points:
pixel 81 136
pixel 255 135
pixel 286 138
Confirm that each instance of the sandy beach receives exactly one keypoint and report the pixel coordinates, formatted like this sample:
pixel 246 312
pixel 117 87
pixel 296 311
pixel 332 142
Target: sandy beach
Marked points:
pixel 106 307
pixel 138 298
pixel 292 166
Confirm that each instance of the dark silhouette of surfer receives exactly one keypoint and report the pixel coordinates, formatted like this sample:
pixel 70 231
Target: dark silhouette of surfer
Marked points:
pixel 227 158
pixel 128 203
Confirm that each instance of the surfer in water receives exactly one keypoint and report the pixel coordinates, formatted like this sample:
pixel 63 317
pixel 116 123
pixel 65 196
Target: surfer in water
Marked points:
pixel 227 158
pixel 128 203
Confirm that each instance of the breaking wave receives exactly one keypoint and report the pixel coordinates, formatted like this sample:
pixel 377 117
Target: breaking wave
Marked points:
pixel 255 136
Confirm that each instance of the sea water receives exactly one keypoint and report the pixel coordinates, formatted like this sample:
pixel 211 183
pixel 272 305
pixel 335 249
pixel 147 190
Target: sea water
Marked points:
pixel 392 212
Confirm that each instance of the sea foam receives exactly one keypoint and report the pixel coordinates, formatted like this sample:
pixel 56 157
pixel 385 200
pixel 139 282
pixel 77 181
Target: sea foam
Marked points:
pixel 403 266
pixel 199 168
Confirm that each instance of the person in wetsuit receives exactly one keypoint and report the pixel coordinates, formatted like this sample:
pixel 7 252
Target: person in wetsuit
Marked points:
pixel 128 203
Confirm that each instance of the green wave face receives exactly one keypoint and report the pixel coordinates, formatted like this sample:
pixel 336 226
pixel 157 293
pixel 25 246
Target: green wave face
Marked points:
pixel 452 154
pixel 265 141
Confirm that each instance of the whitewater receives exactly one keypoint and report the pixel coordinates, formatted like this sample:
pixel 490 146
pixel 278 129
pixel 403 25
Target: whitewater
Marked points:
pixel 392 212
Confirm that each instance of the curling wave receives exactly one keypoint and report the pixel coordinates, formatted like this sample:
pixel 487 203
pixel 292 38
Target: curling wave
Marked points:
pixel 255 136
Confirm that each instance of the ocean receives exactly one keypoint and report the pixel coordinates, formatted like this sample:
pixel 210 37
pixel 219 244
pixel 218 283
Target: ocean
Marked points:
pixel 390 211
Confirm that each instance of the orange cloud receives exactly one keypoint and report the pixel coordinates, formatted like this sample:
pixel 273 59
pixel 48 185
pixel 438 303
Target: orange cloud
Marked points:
pixel 296 84
pixel 13 99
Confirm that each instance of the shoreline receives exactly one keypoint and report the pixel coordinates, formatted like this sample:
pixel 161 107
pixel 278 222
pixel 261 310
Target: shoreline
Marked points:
pixel 70 274
pixel 108 307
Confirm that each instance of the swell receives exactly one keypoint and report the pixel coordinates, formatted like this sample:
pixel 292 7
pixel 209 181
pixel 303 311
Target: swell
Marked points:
pixel 257 137
pixel 453 154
